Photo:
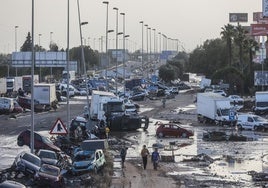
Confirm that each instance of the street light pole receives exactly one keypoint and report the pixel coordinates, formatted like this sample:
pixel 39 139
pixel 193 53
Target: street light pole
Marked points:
pixel 160 42
pixel 39 35
pixel 116 46
pixel 141 47
pixel 150 44
pixel 124 68
pixel 82 54
pixel 154 42
pixel 32 82
pixel 50 50
pixel 106 36
pixel 16 27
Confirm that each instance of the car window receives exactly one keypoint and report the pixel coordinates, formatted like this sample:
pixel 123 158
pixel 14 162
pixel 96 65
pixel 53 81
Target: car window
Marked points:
pixel 97 155
pixel 250 119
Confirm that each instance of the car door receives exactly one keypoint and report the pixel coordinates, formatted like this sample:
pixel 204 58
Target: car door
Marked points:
pixel 250 123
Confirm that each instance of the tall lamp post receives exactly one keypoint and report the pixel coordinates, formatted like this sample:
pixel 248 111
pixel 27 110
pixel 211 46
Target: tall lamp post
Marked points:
pixel 154 43
pixel 16 27
pixel 141 46
pixel 124 67
pixel 150 42
pixel 146 25
pixel 106 36
pixel 50 49
pixel 160 42
pixel 116 46
pixel 39 36
pixel 82 53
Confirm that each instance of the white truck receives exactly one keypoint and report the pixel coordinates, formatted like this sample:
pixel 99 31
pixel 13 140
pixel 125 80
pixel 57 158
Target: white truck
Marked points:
pixel 214 108
pixel 65 76
pixel 261 102
pixel 45 94
pixel 13 83
pixel 3 86
pixel 98 99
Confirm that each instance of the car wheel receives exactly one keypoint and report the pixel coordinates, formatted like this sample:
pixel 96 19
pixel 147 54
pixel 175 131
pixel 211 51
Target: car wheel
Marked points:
pixel 184 135
pixel 20 142
pixel 161 135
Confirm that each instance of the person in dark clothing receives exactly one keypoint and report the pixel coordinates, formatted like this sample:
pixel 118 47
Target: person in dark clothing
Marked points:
pixel 123 154
pixel 144 154
pixel 155 158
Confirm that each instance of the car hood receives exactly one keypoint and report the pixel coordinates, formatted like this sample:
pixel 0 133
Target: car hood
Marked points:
pixel 49 161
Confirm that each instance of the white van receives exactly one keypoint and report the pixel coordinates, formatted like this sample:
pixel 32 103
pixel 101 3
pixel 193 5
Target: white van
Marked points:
pixel 6 105
pixel 251 122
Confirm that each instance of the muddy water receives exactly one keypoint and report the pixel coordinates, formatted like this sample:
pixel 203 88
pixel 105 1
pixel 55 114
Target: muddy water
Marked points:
pixel 232 160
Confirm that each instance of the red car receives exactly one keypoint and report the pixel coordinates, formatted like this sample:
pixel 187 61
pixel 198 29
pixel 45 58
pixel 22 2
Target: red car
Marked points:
pixel 40 142
pixel 172 129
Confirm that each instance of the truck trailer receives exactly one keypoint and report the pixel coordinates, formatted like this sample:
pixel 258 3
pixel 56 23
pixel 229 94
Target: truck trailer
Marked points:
pixel 261 102
pixel 214 108
pixel 45 94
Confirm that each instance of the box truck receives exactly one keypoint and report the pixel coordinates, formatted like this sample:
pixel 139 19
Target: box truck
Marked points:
pixel 45 94
pixel 261 102
pixel 214 108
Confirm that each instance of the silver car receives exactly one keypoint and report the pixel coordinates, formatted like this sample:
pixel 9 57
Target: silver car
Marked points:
pixel 27 163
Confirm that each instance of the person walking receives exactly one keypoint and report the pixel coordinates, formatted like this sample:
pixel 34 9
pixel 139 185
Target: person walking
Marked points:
pixel 155 158
pixel 144 154
pixel 123 154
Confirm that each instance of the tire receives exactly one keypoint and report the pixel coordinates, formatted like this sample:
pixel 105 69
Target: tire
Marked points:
pixel 161 135
pixel 184 135
pixel 20 142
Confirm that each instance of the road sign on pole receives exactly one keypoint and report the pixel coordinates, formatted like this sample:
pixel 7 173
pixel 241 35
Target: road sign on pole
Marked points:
pixel 58 128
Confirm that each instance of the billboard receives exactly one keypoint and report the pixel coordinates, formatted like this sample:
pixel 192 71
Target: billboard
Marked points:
pixel 265 8
pixel 258 17
pixel 259 29
pixel 238 17
pixel 261 78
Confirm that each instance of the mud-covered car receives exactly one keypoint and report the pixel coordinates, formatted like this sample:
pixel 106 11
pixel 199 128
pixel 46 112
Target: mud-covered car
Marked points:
pixel 48 157
pixel 85 161
pixel 27 163
pixel 40 142
pixel 215 136
pixel 49 176
pixel 11 184
pixel 172 129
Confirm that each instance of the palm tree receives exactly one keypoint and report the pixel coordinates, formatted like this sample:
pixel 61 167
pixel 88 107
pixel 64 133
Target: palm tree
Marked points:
pixel 228 34
pixel 239 39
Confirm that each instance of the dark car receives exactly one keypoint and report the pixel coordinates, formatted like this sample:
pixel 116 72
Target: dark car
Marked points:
pixel 215 136
pixel 138 96
pixel 40 142
pixel 11 184
pixel 172 129
pixel 49 176
pixel 27 163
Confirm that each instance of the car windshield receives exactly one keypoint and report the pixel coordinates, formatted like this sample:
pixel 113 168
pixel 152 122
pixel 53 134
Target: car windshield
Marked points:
pixel 49 170
pixel 259 119
pixel 31 159
pixel 46 140
pixel 83 157
pixel 50 155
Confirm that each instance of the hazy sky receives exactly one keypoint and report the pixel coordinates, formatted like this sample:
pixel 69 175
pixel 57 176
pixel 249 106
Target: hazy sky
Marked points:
pixel 190 21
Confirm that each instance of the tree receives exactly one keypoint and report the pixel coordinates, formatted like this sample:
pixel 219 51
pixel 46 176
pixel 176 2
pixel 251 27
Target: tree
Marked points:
pixel 228 34
pixel 239 39
pixel 53 47
pixel 27 45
